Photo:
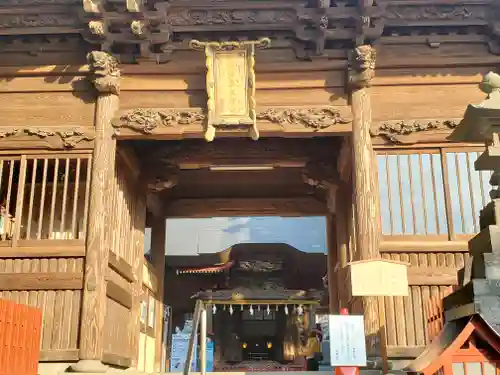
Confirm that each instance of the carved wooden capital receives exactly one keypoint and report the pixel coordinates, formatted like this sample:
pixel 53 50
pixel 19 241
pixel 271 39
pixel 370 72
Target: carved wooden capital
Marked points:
pixel 105 74
pixel 361 67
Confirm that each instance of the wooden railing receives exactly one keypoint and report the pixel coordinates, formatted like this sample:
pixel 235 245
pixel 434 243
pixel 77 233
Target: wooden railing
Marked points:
pixel 44 199
pixel 20 334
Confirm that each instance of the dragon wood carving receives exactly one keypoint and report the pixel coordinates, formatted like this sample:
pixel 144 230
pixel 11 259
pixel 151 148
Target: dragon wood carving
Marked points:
pixel 147 120
pixel 69 138
pixel 393 130
pixel 316 118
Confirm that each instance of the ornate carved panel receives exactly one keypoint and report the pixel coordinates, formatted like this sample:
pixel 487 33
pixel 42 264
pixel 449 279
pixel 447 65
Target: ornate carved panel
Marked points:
pixel 46 139
pixel 137 30
pixel 174 121
pixel 398 131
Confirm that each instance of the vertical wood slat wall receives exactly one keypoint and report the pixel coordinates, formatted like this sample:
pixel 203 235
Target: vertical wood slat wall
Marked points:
pixel 426 194
pixel 45 197
pixel 126 237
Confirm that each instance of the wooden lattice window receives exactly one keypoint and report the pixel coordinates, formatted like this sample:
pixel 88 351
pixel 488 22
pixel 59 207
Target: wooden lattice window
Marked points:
pixel 432 192
pixel 44 197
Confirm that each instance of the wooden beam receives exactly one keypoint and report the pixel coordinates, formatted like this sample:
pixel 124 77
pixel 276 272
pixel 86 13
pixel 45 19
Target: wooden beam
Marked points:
pixel 266 129
pixel 120 266
pixel 405 352
pixel 424 246
pixel 119 294
pixel 200 208
pixel 432 276
pixel 58 355
pixel 116 359
pixel 41 281
pixel 42 252
pixel 129 158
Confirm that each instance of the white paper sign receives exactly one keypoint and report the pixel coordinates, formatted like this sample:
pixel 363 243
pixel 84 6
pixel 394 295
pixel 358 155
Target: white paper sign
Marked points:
pixel 347 340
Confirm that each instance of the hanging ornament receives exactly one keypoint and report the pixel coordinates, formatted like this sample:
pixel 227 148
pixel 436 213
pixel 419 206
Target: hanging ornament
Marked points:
pixel 258 307
pixel 241 307
pixel 231 309
pixel 300 310
pixel 224 308
pixel 251 310
pixel 294 310
pixel 286 309
pixel 268 310
pixel 214 309
pixel 277 307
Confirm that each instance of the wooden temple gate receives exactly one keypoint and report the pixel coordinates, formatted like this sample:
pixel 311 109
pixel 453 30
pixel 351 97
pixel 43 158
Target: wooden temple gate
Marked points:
pixel 81 178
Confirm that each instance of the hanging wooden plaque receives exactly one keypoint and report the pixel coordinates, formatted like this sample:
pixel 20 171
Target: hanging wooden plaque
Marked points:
pixel 230 85
pixel 378 277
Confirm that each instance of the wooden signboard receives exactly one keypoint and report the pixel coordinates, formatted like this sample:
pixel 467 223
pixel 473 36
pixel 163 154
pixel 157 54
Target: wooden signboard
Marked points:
pixel 379 277
pixel 230 83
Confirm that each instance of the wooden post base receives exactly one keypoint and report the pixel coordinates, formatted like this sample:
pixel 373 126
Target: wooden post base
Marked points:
pixel 92 366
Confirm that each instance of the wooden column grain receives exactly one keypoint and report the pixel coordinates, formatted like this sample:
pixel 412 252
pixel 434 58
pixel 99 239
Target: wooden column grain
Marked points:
pixel 364 173
pixel 105 76
pixel 342 242
pixel 158 237
pixel 96 257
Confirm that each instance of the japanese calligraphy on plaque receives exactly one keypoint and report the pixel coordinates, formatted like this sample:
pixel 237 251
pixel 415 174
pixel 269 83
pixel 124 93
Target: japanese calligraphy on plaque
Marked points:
pixel 230 85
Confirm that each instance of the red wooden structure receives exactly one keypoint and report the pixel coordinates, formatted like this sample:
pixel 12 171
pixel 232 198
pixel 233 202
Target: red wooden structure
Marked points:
pixel 467 347
pixel 20 333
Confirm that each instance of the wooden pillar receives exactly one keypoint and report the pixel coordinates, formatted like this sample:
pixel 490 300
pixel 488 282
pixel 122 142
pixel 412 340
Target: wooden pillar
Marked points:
pixel 158 236
pixel 105 76
pixel 343 209
pixel 333 285
pixel 137 269
pixel 366 194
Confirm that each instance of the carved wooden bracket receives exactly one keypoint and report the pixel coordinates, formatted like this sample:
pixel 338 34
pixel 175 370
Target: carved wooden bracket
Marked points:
pixel 398 131
pixel 105 74
pixel 361 67
pixel 323 174
pixel 51 139
pixel 162 177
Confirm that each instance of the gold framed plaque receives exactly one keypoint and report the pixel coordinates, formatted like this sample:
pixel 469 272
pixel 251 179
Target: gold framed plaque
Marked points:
pixel 230 85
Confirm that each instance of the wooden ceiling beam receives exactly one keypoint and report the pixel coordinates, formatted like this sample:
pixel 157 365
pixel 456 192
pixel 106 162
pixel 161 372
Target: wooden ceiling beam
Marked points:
pixel 205 208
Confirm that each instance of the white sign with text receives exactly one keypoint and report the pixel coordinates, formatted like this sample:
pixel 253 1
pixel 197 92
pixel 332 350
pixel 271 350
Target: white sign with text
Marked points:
pixel 347 340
